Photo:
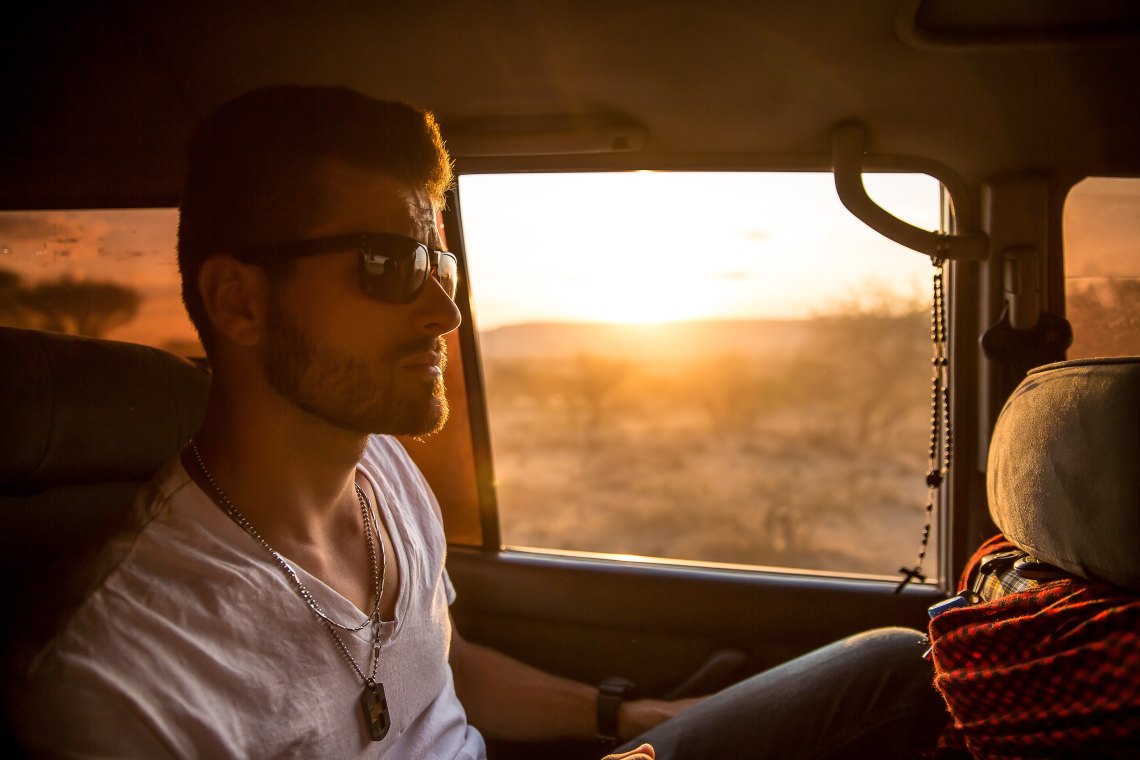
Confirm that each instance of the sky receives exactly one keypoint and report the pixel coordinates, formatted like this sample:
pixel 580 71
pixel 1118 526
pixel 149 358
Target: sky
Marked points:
pixel 633 247
pixel 660 246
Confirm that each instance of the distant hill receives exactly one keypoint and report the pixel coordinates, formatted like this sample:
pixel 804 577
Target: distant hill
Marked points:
pixel 681 340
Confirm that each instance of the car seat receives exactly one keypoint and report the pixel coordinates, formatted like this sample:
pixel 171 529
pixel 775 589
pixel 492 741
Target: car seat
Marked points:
pixel 83 422
pixel 1045 661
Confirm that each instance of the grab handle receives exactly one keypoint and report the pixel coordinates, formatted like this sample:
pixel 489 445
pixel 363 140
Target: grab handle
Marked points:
pixel 848 143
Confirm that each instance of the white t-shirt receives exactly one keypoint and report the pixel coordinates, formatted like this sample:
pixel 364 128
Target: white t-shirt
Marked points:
pixel 197 645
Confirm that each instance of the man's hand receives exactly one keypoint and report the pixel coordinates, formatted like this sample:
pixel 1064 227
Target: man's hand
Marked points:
pixel 644 752
pixel 637 716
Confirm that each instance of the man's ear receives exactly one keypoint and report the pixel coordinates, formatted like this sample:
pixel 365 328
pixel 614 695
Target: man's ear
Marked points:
pixel 235 295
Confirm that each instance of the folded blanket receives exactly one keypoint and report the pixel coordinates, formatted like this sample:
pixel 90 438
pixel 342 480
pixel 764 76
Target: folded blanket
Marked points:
pixel 1050 670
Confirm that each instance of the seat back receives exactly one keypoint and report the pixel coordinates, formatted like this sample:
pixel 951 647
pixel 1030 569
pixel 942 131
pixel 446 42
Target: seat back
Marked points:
pixel 1063 479
pixel 83 423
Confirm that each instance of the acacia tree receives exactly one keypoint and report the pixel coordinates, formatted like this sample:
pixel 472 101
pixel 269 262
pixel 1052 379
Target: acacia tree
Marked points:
pixel 80 307
pixel 11 307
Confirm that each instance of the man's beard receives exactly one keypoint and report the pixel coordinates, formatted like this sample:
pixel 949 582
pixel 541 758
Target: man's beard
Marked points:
pixel 350 392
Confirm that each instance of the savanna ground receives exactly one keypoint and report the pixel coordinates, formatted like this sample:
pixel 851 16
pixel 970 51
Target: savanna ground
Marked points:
pixel 808 458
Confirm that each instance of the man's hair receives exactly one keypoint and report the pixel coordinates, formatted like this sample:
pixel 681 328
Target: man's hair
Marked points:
pixel 252 165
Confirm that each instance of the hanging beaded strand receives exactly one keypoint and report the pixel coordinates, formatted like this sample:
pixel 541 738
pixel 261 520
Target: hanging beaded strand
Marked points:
pixel 939 420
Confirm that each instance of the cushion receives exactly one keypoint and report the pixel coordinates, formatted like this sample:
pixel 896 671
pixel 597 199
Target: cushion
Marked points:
pixel 83 424
pixel 79 410
pixel 1063 479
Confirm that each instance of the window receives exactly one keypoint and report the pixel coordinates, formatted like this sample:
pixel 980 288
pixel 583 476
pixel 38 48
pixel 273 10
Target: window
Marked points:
pixel 723 368
pixel 106 274
pixel 1102 267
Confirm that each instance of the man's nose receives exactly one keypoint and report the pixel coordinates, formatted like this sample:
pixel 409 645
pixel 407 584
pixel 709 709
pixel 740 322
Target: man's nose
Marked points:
pixel 438 314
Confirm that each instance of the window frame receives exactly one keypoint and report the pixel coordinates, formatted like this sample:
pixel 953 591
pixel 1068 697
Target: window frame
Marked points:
pixel 952 543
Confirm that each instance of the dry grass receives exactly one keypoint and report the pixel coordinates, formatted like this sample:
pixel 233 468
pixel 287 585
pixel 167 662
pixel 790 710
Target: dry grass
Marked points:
pixel 774 461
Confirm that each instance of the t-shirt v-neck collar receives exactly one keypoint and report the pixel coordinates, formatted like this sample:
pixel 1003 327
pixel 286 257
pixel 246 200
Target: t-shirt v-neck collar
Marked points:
pixel 335 605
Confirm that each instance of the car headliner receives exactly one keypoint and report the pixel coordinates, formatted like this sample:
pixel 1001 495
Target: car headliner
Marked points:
pixel 99 97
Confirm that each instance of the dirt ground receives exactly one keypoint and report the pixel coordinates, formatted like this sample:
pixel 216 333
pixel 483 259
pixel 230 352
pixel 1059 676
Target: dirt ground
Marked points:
pixel 734 460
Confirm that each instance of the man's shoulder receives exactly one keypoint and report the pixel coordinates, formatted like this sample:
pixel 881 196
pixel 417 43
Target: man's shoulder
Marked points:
pixel 159 555
pixel 394 472
pixel 169 512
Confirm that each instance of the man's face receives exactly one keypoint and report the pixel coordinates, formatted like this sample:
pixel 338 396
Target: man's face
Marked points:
pixel 360 364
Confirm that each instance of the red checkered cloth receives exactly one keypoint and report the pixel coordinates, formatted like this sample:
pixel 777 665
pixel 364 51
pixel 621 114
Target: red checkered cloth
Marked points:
pixel 1049 671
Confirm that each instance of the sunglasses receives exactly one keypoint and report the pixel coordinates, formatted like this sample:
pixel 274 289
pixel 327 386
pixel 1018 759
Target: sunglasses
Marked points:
pixel 393 268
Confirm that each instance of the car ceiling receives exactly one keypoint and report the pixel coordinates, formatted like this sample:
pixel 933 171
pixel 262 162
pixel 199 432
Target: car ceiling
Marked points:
pixel 100 97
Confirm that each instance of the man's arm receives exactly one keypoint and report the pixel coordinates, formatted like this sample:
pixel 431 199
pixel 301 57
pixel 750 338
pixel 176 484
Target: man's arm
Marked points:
pixel 508 699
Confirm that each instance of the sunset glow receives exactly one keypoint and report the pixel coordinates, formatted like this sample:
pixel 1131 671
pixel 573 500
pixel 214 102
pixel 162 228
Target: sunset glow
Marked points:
pixel 648 247
pixel 134 248
pixel 631 248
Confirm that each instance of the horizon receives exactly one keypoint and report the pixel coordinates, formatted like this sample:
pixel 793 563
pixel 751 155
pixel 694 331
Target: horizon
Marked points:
pixel 665 324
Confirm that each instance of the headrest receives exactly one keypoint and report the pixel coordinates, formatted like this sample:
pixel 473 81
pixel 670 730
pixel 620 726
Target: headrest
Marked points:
pixel 77 410
pixel 1063 478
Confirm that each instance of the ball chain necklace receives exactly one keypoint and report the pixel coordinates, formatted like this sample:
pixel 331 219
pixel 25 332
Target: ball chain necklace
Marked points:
pixel 939 421
pixel 373 703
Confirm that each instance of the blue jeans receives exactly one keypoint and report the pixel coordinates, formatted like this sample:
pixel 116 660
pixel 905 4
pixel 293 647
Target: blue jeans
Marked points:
pixel 870 695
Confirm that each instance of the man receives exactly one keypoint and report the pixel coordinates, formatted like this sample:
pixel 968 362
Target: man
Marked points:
pixel 283 592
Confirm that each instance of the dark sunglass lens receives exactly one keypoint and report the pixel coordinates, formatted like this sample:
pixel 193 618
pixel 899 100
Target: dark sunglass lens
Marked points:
pixel 375 264
pixel 379 275
pixel 448 274
pixel 420 264
pixel 417 273
pixel 395 269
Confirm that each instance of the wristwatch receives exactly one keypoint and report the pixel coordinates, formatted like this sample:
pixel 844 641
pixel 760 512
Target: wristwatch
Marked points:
pixel 611 693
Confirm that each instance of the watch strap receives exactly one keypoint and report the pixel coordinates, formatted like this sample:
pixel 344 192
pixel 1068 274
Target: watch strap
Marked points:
pixel 611 693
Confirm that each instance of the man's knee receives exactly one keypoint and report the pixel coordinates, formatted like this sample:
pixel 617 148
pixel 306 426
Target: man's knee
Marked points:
pixel 888 644
pixel 892 653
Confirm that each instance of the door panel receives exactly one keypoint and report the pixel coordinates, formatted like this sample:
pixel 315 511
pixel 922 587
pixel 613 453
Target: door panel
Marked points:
pixel 588 619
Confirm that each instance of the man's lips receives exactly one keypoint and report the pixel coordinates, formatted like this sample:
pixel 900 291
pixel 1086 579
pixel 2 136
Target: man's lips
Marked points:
pixel 424 361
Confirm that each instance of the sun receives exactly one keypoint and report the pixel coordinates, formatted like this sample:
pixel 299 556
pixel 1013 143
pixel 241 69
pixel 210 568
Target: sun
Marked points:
pixel 650 248
pixel 643 312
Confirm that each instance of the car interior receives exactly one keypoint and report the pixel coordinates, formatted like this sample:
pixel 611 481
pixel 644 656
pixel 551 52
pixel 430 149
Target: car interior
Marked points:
pixel 1018 114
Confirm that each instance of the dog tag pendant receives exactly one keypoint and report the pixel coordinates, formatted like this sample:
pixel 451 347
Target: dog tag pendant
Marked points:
pixel 375 708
